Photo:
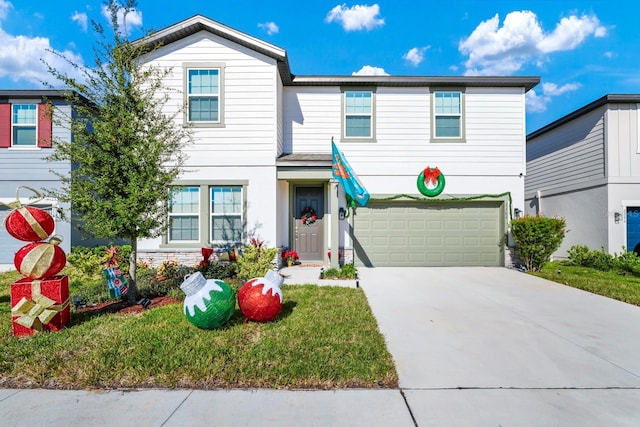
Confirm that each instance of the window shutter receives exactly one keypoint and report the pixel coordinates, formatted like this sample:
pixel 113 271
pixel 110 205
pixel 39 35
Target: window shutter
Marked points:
pixel 45 126
pixel 5 125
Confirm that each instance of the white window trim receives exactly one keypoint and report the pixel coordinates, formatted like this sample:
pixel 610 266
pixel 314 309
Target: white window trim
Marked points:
pixel 35 125
pixel 436 138
pixel 372 137
pixel 221 92
pixel 197 213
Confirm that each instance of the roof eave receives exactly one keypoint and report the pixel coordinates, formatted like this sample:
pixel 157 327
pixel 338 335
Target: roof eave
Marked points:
pixel 607 99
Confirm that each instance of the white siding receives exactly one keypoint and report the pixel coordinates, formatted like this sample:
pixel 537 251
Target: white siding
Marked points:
pixel 622 140
pixel 494 132
pixel 250 132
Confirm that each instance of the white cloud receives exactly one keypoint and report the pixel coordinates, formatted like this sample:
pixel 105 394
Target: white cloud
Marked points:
pixel 610 55
pixel 415 55
pixel 270 27
pixel 24 59
pixel 5 6
pixel 357 17
pixel 538 103
pixel 369 70
pixel 495 50
pixel 133 18
pixel 81 19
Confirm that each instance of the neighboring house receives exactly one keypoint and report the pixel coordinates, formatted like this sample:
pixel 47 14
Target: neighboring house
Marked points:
pixel 585 167
pixel 262 154
pixel 26 132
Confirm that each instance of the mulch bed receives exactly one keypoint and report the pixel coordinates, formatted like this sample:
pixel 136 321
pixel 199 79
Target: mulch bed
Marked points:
pixel 119 306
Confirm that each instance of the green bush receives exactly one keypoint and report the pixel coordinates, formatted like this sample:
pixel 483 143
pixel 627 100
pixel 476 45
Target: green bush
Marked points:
pixel 255 261
pixel 583 256
pixel 218 270
pixel 346 272
pixel 537 237
pixel 91 260
pixel 626 262
pixel 163 281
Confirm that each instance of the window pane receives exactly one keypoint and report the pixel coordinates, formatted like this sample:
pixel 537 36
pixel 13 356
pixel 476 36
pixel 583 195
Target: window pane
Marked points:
pixel 185 200
pixel 226 200
pixel 24 114
pixel 448 102
pixel 24 135
pixel 448 127
pixel 358 102
pixel 183 228
pixel 203 109
pixel 204 82
pixel 358 126
pixel 226 228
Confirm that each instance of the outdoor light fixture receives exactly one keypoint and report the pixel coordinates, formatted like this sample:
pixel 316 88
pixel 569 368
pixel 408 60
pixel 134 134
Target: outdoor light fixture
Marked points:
pixel 617 216
pixel 341 213
pixel 517 213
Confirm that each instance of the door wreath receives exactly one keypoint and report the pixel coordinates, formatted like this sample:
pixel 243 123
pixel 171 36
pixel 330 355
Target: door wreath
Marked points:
pixel 308 216
pixel 433 177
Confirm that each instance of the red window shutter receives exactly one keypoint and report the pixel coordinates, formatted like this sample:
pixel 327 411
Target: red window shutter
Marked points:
pixel 45 126
pixel 5 125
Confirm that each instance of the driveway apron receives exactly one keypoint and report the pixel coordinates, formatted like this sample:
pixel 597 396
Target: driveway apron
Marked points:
pixel 499 345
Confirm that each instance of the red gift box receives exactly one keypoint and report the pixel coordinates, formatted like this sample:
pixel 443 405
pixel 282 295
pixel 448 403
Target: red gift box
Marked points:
pixel 39 305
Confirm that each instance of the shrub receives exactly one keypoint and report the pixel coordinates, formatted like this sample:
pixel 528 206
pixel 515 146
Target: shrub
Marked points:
pixel 600 260
pixel 255 261
pixel 537 237
pixel 626 262
pixel 152 284
pixel 217 270
pixel 347 272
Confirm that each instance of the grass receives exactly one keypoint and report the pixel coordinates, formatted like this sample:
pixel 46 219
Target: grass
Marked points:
pixel 325 337
pixel 612 284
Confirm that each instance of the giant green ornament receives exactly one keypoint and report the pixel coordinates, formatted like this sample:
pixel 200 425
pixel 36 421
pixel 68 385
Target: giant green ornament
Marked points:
pixel 209 303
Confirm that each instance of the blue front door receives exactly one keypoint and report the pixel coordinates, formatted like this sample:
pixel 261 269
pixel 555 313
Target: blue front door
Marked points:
pixel 633 230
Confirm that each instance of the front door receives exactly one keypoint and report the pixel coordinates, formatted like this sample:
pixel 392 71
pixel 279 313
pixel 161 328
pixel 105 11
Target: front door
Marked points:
pixel 309 237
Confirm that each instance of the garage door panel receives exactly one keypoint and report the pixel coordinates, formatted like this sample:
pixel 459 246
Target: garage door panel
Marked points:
pixel 428 234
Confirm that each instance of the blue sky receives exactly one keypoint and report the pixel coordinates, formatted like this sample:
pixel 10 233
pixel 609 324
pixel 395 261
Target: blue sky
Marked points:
pixel 581 49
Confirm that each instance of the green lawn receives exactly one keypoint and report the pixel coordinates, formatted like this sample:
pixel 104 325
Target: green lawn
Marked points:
pixel 325 337
pixel 612 284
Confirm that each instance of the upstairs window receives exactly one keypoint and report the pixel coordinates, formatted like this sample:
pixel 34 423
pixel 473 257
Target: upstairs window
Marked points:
pixel 226 214
pixel 23 123
pixel 448 114
pixel 184 215
pixel 358 114
pixel 203 92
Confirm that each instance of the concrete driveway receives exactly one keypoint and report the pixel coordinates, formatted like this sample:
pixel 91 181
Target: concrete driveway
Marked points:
pixel 493 346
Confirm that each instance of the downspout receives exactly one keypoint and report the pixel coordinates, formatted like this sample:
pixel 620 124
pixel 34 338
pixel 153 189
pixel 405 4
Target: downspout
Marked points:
pixel 539 197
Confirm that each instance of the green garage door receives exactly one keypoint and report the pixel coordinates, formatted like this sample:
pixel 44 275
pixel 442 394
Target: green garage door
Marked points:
pixel 429 234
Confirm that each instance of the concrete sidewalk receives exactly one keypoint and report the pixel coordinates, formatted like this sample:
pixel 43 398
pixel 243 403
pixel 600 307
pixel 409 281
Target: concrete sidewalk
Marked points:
pixel 472 346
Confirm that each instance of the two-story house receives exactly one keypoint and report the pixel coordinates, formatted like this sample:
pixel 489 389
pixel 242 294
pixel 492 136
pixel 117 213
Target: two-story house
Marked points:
pixel 585 167
pixel 262 156
pixel 26 132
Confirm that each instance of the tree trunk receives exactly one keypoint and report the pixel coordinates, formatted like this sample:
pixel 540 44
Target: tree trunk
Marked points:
pixel 133 263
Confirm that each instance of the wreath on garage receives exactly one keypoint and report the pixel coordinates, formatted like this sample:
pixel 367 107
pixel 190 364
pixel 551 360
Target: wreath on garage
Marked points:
pixel 308 216
pixel 431 182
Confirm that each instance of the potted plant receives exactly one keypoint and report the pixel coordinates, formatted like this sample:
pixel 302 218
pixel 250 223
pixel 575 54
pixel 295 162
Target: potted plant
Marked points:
pixel 290 256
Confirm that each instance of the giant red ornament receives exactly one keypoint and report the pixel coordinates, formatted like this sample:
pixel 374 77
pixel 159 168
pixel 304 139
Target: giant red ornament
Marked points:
pixel 29 224
pixel 261 299
pixel 40 259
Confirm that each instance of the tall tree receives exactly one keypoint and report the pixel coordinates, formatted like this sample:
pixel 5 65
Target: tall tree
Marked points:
pixel 125 150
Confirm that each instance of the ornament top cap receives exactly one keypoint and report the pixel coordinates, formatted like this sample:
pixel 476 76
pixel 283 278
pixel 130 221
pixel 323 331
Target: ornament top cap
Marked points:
pixel 274 277
pixel 193 283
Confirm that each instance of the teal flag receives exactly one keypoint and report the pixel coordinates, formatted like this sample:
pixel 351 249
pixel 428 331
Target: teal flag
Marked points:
pixel 345 176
